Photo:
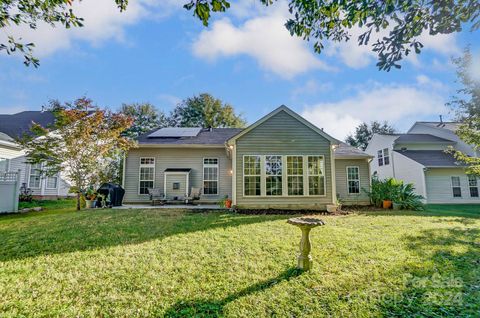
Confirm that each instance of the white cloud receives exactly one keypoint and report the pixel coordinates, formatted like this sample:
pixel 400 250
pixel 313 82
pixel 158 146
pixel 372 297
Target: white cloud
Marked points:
pixel 426 82
pixel 102 21
pixel 311 87
pixel 263 38
pixel 398 104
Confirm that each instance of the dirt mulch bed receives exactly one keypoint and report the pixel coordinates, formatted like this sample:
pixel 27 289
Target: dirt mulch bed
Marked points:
pixel 287 212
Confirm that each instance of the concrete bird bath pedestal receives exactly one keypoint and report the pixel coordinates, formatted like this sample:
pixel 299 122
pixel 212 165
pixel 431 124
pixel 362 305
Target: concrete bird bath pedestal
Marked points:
pixel 305 224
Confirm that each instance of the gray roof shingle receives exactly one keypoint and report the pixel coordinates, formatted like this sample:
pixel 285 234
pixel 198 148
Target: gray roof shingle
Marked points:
pixel 217 136
pixel 345 150
pixel 421 138
pixel 449 125
pixel 15 125
pixel 431 158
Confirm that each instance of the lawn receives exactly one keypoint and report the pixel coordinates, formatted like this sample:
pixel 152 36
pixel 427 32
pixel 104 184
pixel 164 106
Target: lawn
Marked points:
pixel 173 263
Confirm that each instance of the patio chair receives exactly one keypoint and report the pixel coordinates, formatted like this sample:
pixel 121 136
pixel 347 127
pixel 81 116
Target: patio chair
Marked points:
pixel 194 195
pixel 156 195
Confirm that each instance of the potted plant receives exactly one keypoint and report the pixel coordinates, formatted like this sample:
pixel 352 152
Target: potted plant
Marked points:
pixel 339 203
pixel 225 203
pixel 90 196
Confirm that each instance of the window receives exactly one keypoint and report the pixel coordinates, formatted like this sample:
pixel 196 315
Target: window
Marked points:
pixel 457 190
pixel 353 180
pixel 316 178
pixel 35 174
pixel 52 182
pixel 210 176
pixel 273 172
pixel 473 184
pixel 4 164
pixel 295 175
pixel 147 174
pixel 383 157
pixel 251 175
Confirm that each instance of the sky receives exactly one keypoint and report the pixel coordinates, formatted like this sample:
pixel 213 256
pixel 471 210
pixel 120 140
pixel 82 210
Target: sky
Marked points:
pixel 158 52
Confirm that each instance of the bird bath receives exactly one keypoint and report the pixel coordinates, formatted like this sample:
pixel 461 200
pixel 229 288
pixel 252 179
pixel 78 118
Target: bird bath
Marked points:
pixel 305 224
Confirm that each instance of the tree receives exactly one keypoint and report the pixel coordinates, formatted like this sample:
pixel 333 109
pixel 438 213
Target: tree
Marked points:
pixel 205 111
pixel 364 132
pixel 404 21
pixel 145 118
pixel 80 144
pixel 466 103
pixel 313 20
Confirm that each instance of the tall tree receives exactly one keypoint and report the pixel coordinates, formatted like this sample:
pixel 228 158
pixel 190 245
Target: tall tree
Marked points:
pixel 205 110
pixel 364 132
pixel 466 103
pixel 313 20
pixel 146 117
pixel 81 143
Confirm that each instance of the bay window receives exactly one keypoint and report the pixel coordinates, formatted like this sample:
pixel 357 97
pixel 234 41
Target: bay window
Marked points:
pixel 316 177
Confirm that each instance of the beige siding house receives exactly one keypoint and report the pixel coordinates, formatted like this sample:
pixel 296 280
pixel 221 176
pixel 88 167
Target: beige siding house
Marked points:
pixel 280 161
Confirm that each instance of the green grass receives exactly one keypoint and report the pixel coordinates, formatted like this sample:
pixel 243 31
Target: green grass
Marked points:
pixel 154 263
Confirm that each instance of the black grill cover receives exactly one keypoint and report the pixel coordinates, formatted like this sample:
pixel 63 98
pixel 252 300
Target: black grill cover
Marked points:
pixel 113 192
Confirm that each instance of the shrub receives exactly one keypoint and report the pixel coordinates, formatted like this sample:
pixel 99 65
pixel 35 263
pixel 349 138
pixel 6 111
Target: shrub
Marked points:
pixel 396 191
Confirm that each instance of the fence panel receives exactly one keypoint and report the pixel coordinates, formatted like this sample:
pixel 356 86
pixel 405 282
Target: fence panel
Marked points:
pixel 9 191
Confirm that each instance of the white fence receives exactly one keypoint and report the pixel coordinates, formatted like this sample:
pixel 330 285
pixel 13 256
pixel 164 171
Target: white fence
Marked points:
pixel 9 191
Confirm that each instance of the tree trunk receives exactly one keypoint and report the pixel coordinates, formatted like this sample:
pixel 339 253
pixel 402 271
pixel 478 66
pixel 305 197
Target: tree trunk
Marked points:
pixel 78 201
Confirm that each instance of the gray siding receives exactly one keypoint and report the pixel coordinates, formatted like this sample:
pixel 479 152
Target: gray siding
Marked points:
pixel 341 181
pixel 182 181
pixel 282 134
pixel 439 186
pixel 177 158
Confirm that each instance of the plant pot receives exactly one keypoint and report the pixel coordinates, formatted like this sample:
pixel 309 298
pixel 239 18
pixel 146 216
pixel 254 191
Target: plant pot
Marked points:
pixel 331 208
pixel 88 204
pixel 387 204
pixel 228 203
pixel 396 206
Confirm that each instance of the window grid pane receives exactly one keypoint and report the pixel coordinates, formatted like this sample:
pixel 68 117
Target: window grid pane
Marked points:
pixel 316 179
pixel 147 174
pixel 210 176
pixel 473 184
pixel 35 172
pixel 353 180
pixel 251 173
pixel 273 170
pixel 52 182
pixel 456 189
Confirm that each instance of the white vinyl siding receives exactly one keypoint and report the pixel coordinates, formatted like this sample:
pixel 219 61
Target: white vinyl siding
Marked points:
pixel 210 176
pixel 353 180
pixel 147 175
pixel 4 164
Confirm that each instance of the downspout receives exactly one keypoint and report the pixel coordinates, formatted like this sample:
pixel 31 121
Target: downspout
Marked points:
pixel 334 181
pixel 124 168
pixel 234 174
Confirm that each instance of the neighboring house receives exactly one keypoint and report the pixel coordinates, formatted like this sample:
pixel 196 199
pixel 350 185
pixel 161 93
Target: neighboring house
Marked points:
pixel 419 157
pixel 280 161
pixel 12 157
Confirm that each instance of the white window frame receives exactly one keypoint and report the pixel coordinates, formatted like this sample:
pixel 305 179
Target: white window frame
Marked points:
pixel 209 165
pixel 39 176
pixel 308 175
pixel 459 186
pixel 7 167
pixel 357 180
pixel 303 175
pixel 149 165
pixel 56 182
pixel 470 186
pixel 263 181
pixel 251 175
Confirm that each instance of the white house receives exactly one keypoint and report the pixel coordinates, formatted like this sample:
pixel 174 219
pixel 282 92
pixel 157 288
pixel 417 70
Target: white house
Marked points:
pixel 419 157
pixel 12 156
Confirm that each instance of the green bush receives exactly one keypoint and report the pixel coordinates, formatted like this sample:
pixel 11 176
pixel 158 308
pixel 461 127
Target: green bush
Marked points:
pixel 394 190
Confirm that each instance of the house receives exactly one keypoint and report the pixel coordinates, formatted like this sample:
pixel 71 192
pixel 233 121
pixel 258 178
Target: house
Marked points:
pixel 419 157
pixel 280 161
pixel 12 156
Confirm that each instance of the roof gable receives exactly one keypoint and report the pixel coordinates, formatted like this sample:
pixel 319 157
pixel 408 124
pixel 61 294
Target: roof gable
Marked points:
pixel 291 113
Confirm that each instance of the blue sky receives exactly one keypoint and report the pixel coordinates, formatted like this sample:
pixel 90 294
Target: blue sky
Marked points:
pixel 157 52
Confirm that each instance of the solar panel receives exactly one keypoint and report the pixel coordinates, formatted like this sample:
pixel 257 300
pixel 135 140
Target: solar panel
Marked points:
pixel 176 132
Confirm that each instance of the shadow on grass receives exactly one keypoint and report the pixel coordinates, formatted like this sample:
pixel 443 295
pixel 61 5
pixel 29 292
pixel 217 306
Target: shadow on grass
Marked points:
pixel 462 211
pixel 214 308
pixel 56 232
pixel 449 285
